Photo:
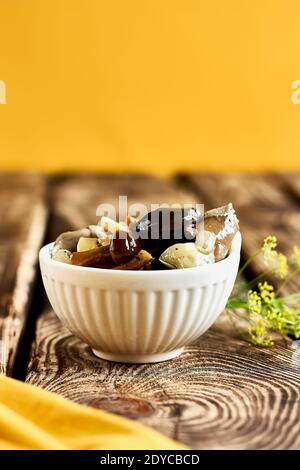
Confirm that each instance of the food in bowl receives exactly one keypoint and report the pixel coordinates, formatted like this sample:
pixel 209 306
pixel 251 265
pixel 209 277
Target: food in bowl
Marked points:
pixel 139 316
pixel 162 239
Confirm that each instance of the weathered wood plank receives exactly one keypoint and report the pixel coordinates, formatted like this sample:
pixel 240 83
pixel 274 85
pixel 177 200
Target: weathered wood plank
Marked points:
pixel 23 220
pixel 292 183
pixel 75 198
pixel 221 393
pixel 263 205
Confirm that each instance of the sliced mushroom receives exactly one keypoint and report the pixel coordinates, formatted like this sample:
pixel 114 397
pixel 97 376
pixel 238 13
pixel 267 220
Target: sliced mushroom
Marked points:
pixel 123 247
pixel 68 240
pixel 99 257
pixel 205 242
pixel 224 223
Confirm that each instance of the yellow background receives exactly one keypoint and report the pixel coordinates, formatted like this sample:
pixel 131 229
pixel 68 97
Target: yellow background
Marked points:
pixel 156 85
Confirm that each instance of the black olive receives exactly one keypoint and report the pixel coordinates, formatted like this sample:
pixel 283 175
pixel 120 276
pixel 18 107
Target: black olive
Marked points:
pixel 123 247
pixel 164 227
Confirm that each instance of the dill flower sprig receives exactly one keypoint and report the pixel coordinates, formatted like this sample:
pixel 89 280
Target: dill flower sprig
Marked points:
pixel 263 309
pixel 296 257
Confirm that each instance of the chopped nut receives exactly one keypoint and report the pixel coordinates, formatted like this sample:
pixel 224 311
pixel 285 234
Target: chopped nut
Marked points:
pixel 85 243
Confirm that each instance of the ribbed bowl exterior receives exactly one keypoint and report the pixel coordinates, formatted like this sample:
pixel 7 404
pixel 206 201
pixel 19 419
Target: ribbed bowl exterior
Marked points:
pixel 138 314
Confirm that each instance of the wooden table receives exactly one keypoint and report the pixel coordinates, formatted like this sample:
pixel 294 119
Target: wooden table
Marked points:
pixel 222 392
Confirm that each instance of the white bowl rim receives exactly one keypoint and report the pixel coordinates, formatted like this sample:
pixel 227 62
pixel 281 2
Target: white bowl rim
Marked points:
pixel 235 250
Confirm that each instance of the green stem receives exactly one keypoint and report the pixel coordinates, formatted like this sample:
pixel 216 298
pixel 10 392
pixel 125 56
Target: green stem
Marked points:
pixel 250 284
pixel 235 302
pixel 246 264
pixel 287 279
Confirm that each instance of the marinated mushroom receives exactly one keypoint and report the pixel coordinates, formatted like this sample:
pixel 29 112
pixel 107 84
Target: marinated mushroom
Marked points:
pixel 205 242
pixel 163 239
pixel 123 246
pixel 224 223
pixel 99 257
pixel 68 240
pixel 185 255
pixel 139 261
pixel 64 256
pixel 164 227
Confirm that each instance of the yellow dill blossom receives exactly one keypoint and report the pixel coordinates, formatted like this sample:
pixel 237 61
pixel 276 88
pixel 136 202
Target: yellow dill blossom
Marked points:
pixel 254 302
pixel 258 331
pixel 264 309
pixel 281 268
pixel 275 261
pixel 296 257
pixel 267 293
pixel 268 250
pixel 270 243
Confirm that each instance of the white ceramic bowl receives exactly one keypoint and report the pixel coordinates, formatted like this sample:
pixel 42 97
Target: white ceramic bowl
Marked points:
pixel 139 316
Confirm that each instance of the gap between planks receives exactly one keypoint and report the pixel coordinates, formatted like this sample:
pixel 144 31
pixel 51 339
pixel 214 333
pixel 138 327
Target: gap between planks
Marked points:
pixel 23 222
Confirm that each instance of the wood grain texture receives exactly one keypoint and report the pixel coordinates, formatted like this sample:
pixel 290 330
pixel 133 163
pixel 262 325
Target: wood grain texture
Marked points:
pixel 222 392
pixel 23 220
pixel 291 182
pixel 264 207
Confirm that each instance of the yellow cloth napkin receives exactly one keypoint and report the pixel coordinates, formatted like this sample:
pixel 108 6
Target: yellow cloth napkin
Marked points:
pixel 31 418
